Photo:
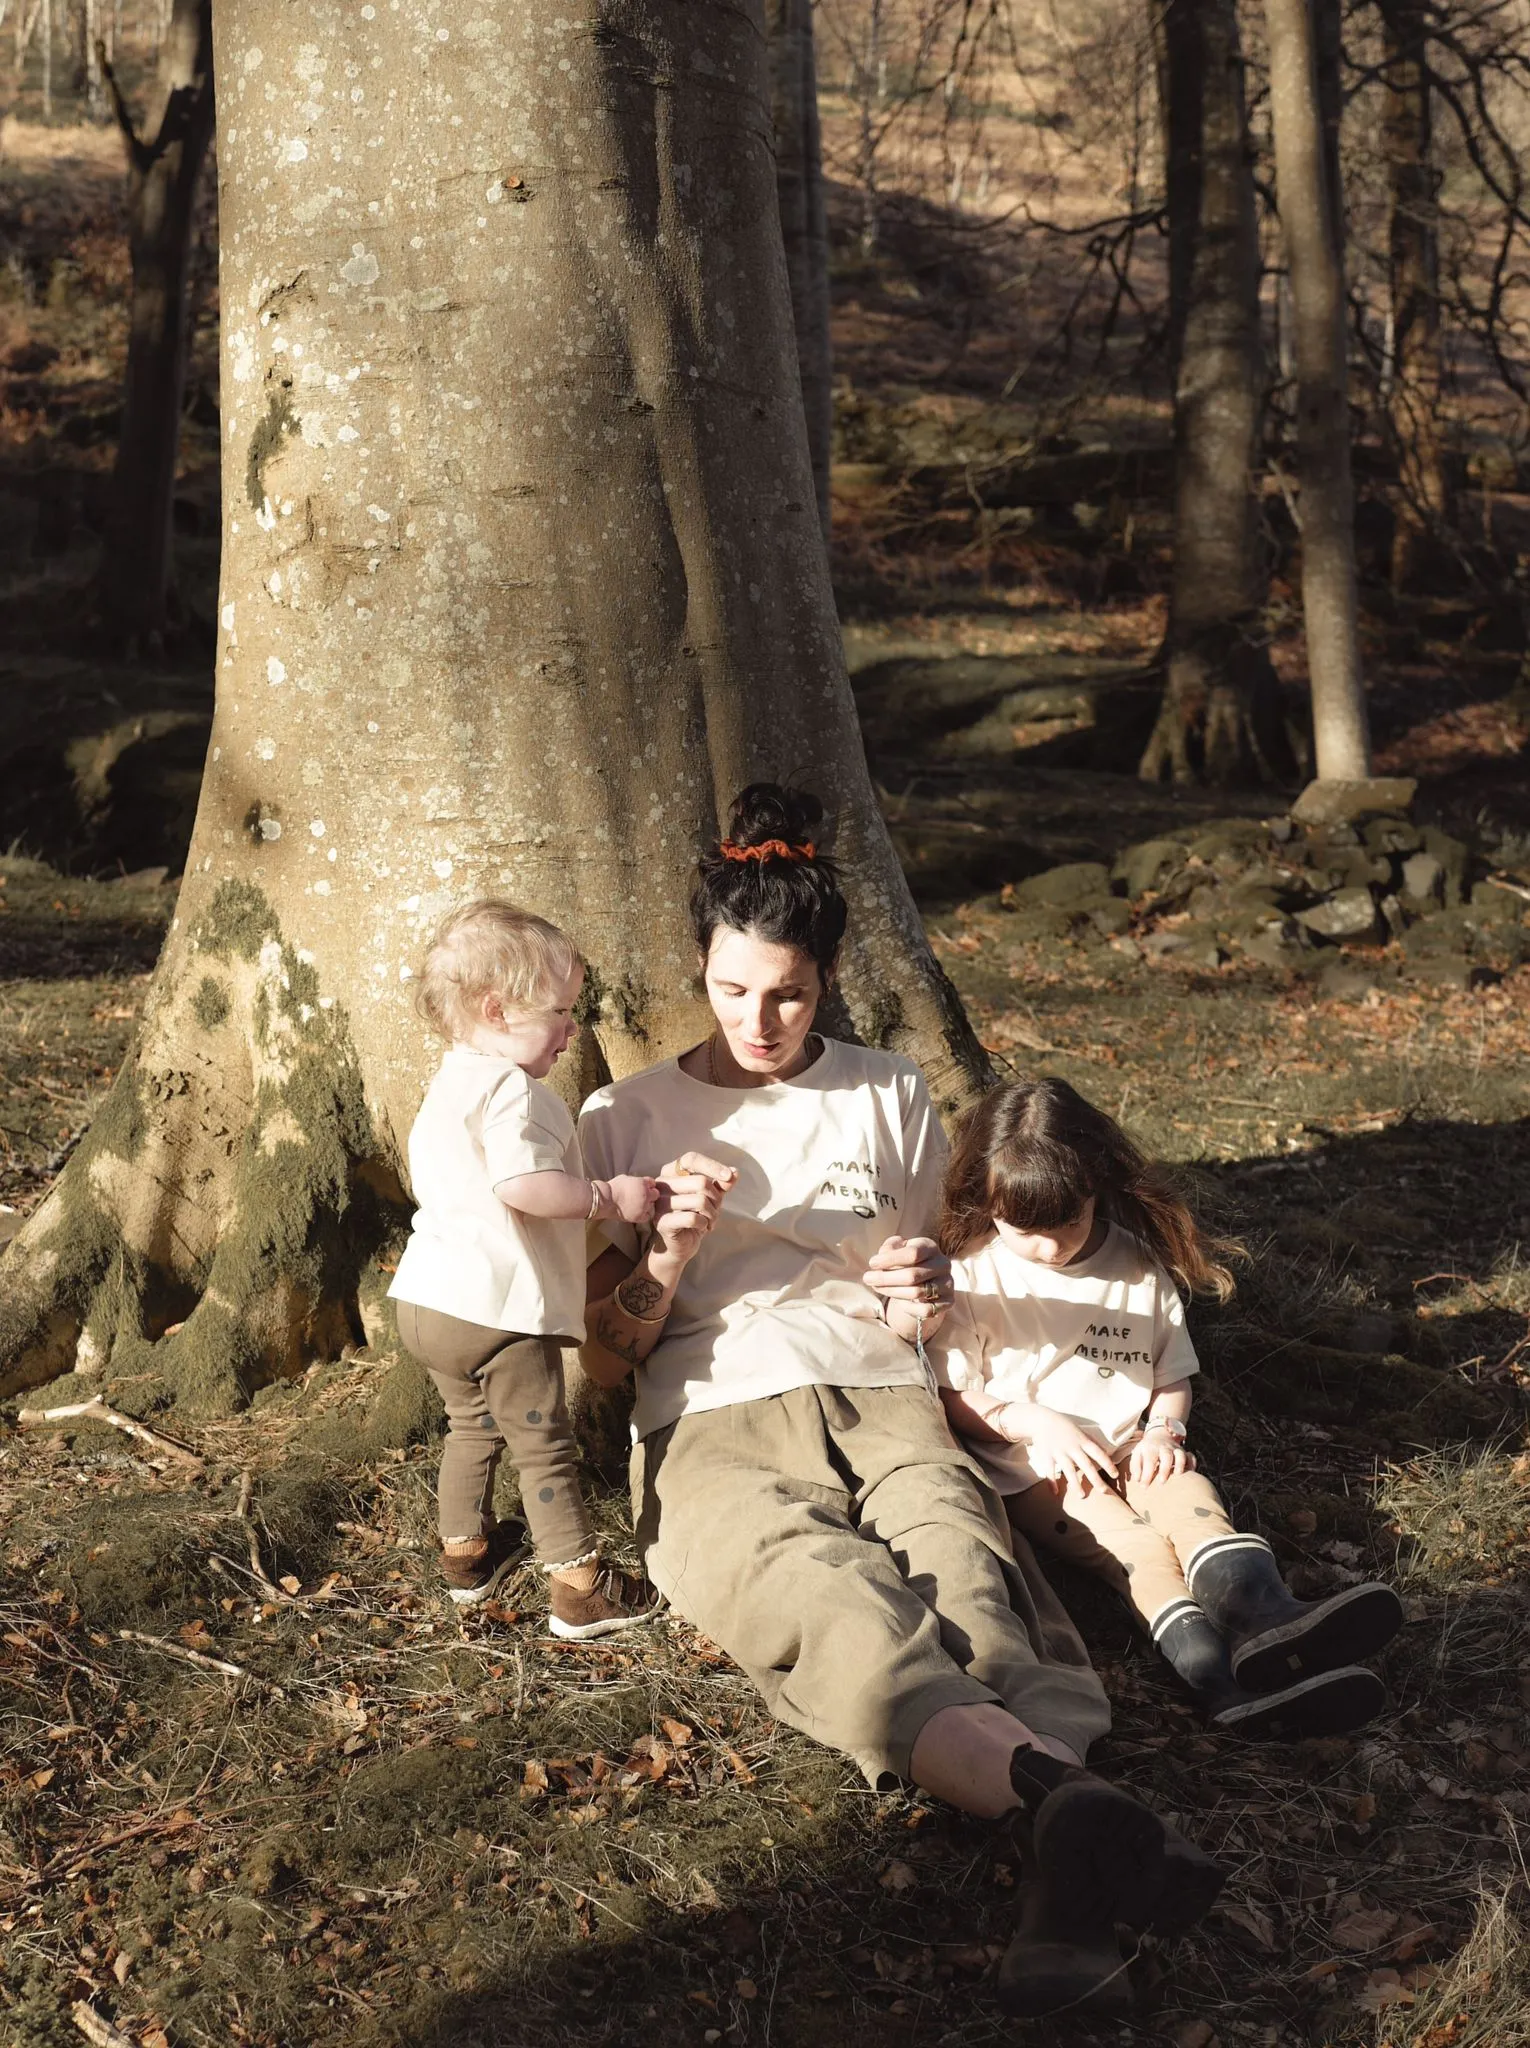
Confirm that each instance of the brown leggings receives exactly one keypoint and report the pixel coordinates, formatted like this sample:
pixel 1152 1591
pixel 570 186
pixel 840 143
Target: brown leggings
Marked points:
pixel 501 1391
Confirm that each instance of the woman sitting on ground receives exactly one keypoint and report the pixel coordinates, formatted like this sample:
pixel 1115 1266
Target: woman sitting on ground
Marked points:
pixel 796 1491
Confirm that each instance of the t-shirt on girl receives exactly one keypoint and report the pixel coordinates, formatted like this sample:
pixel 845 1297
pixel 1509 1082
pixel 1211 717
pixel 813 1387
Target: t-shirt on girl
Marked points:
pixel 830 1164
pixel 1091 1340
pixel 483 1121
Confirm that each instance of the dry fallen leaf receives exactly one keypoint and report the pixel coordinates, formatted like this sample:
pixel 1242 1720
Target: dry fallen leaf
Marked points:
pixel 1413 1935
pixel 1381 1989
pixel 1366 1929
pixel 677 1731
pixel 898 1877
pixel 1253 1921
pixel 533 1779
pixel 289 1584
pixel 1194 2034
pixel 651 1756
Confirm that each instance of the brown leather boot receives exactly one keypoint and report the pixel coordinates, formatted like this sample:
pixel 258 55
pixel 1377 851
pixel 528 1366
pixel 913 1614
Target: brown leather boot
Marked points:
pixel 474 1567
pixel 617 1600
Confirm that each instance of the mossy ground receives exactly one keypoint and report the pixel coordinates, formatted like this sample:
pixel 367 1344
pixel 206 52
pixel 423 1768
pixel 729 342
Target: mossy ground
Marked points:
pixel 407 1826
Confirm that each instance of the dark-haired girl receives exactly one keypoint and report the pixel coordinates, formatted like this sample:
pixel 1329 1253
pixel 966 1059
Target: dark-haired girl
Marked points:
pixel 1067 1367
pixel 796 1491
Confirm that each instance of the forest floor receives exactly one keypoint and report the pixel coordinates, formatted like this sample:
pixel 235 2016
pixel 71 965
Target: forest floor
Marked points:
pixel 263 1785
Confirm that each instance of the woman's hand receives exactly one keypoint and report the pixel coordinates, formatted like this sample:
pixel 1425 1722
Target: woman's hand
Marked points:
pixel 913 1271
pixel 1157 1456
pixel 1058 1448
pixel 691 1189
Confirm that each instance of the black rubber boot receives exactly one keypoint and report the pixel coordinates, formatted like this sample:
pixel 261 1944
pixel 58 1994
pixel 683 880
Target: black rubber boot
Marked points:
pixel 1103 1857
pixel 1327 1703
pixel 1274 1637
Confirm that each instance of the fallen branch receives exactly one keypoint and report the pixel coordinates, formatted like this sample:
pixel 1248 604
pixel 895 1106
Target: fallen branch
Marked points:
pixel 224 1670
pixel 95 2029
pixel 1514 888
pixel 278 1595
pixel 96 1410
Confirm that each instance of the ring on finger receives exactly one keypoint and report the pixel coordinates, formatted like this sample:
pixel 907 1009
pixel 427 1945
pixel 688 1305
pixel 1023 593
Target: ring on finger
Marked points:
pixel 932 1292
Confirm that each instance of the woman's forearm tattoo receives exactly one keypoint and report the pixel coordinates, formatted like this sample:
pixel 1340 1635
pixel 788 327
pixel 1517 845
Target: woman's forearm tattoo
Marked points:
pixel 613 1340
pixel 639 1296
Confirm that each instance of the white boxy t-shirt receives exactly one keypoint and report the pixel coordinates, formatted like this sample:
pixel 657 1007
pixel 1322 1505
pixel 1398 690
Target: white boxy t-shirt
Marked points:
pixel 1092 1340
pixel 830 1164
pixel 483 1121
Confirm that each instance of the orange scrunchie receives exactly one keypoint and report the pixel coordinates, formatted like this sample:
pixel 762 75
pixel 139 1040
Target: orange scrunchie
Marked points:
pixel 766 849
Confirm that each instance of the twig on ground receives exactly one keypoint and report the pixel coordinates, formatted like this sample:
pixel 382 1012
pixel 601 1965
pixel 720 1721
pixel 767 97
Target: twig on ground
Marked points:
pixel 96 1410
pixel 218 1664
pixel 95 2029
pixel 1514 888
pixel 277 1594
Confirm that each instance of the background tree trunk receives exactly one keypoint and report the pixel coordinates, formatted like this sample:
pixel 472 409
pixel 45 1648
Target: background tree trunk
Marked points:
pixel 1308 223
pixel 804 223
pixel 165 162
pixel 1413 393
pixel 522 579
pixel 1220 716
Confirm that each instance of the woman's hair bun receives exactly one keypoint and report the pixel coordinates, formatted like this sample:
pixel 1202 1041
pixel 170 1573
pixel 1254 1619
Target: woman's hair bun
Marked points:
pixel 768 810
pixel 769 876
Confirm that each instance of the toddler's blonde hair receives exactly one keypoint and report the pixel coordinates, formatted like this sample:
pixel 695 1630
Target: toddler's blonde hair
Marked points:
pixel 491 947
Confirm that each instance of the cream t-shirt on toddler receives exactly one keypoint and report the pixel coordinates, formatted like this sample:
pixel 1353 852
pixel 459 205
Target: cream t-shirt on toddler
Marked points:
pixel 830 1164
pixel 483 1121
pixel 1092 1340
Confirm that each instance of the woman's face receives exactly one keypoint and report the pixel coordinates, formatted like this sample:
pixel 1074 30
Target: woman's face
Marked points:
pixel 764 997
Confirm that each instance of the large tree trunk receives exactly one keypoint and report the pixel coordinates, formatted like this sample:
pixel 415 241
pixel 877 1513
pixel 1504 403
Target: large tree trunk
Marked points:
pixel 804 222
pixel 165 162
pixel 522 579
pixel 1308 218
pixel 1413 392
pixel 1220 716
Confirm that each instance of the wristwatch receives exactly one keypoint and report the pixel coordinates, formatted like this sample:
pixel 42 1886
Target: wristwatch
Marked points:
pixel 1170 1424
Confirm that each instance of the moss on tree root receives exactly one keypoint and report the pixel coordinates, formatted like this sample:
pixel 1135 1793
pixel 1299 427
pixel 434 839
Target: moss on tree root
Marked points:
pixel 189 1258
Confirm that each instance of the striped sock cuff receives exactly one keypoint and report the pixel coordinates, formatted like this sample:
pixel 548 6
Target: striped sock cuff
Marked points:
pixel 1222 1546
pixel 1165 1618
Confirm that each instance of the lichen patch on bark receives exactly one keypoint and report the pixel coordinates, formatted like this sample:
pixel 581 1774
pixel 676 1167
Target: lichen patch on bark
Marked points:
pixel 228 1197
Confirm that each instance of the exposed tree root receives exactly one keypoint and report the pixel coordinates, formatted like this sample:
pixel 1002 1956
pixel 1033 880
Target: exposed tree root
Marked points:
pixel 216 1227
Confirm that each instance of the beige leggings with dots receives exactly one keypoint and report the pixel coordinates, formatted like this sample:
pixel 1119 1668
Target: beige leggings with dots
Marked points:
pixel 1141 1540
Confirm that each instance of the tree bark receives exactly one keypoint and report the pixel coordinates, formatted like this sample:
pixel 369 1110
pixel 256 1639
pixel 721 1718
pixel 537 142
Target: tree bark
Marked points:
pixel 1413 392
pixel 1220 716
pixel 165 162
pixel 1313 256
pixel 522 579
pixel 804 223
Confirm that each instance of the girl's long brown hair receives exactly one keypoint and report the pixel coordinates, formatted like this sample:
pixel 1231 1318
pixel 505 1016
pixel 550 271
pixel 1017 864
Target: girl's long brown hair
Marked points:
pixel 1033 1152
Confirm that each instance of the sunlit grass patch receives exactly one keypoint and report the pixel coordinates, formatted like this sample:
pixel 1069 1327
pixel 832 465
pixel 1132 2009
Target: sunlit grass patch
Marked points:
pixel 1481 1997
pixel 1463 1515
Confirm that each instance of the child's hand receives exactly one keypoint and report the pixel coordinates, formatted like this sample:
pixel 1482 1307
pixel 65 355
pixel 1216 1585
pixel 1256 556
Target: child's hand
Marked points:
pixel 1156 1457
pixel 1057 1446
pixel 633 1196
